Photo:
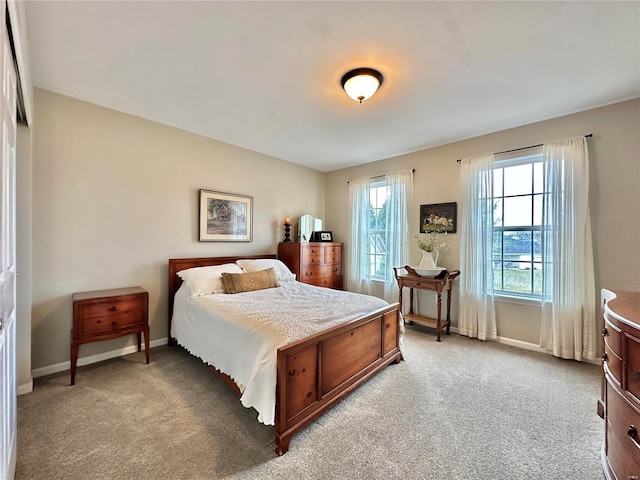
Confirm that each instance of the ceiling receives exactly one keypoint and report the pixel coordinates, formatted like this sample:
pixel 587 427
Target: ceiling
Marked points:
pixel 266 75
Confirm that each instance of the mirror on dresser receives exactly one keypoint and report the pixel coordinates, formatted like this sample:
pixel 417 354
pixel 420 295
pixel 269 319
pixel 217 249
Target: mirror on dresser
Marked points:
pixel 306 225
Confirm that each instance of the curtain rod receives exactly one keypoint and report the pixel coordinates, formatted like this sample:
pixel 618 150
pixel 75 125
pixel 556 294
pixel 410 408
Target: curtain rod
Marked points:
pixel 589 135
pixel 383 175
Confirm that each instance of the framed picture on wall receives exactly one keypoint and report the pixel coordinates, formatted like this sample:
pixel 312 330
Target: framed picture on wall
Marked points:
pixel 225 217
pixel 438 217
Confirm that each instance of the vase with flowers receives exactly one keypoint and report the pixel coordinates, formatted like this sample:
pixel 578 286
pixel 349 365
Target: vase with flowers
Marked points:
pixel 430 244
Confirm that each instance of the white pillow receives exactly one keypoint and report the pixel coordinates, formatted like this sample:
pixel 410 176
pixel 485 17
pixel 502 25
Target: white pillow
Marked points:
pixel 282 271
pixel 206 280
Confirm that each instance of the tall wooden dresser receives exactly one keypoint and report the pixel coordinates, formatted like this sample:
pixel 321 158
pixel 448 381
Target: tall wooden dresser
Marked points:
pixel 315 263
pixel 621 385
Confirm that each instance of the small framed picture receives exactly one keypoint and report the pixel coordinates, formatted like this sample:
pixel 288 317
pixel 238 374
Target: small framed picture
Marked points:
pixel 225 217
pixel 322 236
pixel 438 217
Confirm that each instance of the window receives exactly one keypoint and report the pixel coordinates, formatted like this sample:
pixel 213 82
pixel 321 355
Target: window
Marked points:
pixel 378 195
pixel 518 195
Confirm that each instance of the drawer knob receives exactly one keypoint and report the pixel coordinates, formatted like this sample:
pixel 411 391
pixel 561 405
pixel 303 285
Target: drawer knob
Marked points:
pixel 633 435
pixel 113 308
pixel 388 325
pixel 605 332
pixel 292 372
pixel 114 324
pixel 605 357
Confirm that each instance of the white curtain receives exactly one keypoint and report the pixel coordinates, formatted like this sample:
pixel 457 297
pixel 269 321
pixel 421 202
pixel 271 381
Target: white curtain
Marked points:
pixel 400 188
pixel 398 204
pixel 477 316
pixel 359 274
pixel 568 286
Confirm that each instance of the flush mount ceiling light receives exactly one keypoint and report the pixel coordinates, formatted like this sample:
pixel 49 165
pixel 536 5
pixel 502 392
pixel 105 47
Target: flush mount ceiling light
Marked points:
pixel 361 83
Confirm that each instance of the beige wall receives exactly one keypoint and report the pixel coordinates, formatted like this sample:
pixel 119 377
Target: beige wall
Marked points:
pixel 115 196
pixel 614 197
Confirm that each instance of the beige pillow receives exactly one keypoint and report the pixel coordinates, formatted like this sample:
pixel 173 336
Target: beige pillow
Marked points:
pixel 250 281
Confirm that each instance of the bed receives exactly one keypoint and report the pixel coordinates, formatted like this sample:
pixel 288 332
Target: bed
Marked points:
pixel 310 374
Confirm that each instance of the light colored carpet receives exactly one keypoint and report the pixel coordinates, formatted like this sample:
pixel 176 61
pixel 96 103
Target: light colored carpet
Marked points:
pixel 460 409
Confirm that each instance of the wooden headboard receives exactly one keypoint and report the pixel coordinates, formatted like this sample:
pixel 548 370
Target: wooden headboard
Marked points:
pixel 178 264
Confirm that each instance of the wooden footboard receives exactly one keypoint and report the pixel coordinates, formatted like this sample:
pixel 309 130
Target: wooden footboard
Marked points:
pixel 318 371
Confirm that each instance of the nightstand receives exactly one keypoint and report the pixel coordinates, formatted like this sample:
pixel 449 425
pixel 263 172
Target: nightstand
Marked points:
pixel 106 314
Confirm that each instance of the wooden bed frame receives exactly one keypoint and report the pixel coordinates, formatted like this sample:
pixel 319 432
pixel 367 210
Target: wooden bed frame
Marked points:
pixel 316 372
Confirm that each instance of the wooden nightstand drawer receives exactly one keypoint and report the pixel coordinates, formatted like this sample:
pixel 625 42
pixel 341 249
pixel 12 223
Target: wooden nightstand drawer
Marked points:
pixel 112 307
pixel 112 323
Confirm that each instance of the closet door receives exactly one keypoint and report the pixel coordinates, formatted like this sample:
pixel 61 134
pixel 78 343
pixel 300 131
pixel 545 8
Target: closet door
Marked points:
pixel 8 389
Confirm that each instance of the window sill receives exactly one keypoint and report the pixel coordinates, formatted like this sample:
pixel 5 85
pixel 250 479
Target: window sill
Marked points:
pixel 532 302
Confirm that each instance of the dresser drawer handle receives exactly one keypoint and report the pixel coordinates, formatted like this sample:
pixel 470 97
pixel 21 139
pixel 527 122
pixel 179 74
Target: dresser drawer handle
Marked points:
pixel 114 324
pixel 605 357
pixel 605 332
pixel 633 435
pixel 113 308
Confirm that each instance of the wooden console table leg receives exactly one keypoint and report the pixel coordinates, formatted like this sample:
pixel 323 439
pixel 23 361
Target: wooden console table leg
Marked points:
pixel 74 361
pixel 438 324
pixel 448 309
pixel 411 304
pixel 146 343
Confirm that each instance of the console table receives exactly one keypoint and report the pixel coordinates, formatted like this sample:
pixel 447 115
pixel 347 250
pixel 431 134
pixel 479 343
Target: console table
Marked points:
pixel 439 284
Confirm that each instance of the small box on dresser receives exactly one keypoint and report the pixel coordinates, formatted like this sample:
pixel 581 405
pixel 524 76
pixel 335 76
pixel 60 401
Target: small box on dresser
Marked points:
pixel 105 314
pixel 621 385
pixel 315 263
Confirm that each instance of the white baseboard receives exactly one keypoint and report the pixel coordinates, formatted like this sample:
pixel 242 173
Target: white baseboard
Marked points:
pixel 529 346
pixel 25 387
pixel 61 367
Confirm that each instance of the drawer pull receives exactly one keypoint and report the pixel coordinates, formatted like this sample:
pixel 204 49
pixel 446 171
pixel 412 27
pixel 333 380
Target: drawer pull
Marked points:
pixel 388 325
pixel 605 357
pixel 605 332
pixel 633 435
pixel 292 372
pixel 114 324
pixel 308 274
pixel 113 309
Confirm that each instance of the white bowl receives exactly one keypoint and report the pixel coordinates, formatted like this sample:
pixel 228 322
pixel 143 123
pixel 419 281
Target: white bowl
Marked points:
pixel 429 272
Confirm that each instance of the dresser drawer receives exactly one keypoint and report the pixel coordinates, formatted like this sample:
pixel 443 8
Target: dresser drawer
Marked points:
pixel 632 380
pixel 312 258
pixel 614 363
pixel 112 323
pixel 313 273
pixel 108 308
pixel 333 255
pixel 613 337
pixel 623 453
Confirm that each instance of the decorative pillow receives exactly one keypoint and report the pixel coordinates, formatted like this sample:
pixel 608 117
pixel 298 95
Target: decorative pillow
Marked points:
pixel 282 271
pixel 248 282
pixel 206 280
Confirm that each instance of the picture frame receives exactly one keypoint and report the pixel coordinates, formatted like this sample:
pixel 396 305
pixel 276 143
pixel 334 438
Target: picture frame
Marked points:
pixel 438 217
pixel 225 217
pixel 322 236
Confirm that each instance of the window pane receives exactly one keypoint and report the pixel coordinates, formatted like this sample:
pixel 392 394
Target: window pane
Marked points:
pixel 497 276
pixel 537 209
pixel 497 182
pixel 538 184
pixel 517 211
pixel 517 281
pixel 497 246
pixel 518 180
pixel 497 212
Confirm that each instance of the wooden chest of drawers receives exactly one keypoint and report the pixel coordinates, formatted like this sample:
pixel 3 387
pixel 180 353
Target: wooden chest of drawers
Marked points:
pixel 621 386
pixel 106 314
pixel 315 263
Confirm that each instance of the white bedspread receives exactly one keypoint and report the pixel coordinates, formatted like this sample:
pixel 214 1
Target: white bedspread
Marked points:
pixel 239 334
